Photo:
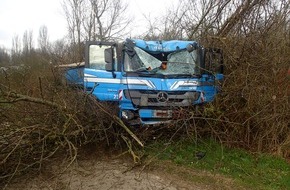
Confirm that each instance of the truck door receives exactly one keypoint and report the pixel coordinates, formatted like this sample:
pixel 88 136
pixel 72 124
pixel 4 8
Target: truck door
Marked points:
pixel 100 76
pixel 213 64
pixel 212 73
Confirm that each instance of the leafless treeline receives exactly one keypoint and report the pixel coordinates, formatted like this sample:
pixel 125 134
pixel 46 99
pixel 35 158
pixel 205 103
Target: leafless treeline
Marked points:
pixel 189 19
pixel 193 19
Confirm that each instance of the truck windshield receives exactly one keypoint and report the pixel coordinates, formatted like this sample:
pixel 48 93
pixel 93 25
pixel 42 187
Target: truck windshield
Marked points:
pixel 178 63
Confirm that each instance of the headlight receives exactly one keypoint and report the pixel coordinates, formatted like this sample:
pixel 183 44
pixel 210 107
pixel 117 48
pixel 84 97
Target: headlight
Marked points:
pixel 127 114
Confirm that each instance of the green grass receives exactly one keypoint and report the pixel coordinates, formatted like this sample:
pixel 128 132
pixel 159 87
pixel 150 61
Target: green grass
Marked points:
pixel 256 171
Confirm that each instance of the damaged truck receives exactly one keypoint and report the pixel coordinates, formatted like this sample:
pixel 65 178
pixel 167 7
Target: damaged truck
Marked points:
pixel 149 80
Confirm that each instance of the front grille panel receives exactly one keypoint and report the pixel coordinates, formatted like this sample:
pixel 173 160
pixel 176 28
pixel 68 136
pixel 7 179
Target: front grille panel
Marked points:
pixel 144 98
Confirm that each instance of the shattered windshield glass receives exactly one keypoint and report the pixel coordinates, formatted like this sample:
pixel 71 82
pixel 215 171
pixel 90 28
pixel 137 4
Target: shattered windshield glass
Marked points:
pixel 182 62
pixel 141 60
pixel 177 63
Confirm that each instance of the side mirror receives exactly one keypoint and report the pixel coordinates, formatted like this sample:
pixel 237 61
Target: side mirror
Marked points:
pixel 191 47
pixel 109 59
pixel 109 55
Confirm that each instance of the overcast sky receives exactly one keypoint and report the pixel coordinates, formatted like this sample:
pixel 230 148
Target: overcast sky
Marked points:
pixel 17 16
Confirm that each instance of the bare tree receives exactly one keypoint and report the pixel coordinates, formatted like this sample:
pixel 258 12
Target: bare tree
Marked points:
pixel 4 57
pixel 203 17
pixel 194 19
pixel 74 13
pixel 27 41
pixel 43 41
pixel 16 45
pixel 240 13
pixel 109 19
pixel 95 19
pixel 167 27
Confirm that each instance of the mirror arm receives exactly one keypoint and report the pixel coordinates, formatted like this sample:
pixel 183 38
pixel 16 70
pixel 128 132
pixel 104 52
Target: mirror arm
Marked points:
pixel 113 66
pixel 114 74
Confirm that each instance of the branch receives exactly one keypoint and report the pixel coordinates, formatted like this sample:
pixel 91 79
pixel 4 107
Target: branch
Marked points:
pixel 20 97
pixel 239 14
pixel 120 123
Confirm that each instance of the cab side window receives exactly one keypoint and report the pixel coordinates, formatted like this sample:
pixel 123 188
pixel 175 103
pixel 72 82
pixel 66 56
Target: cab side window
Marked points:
pixel 97 56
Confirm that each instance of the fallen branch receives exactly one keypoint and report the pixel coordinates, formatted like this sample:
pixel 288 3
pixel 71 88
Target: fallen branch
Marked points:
pixel 15 97
pixel 20 97
pixel 121 123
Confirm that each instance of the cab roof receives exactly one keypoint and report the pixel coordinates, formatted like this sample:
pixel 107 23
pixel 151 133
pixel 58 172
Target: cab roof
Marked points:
pixel 161 46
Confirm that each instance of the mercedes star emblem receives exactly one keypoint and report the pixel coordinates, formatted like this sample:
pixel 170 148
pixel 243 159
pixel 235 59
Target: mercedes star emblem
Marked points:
pixel 162 97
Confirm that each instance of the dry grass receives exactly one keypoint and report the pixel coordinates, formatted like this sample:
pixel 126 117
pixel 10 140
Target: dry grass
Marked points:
pixel 41 118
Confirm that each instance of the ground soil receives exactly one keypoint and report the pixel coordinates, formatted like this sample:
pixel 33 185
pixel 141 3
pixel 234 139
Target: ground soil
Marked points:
pixel 90 172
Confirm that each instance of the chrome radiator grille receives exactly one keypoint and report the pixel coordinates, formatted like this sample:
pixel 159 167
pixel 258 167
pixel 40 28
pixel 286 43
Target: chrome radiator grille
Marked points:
pixel 151 98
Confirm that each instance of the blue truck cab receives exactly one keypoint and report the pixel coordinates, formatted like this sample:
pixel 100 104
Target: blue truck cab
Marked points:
pixel 130 74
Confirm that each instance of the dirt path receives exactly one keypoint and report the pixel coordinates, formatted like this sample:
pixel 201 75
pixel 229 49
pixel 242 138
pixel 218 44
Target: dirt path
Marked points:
pixel 90 172
pixel 91 175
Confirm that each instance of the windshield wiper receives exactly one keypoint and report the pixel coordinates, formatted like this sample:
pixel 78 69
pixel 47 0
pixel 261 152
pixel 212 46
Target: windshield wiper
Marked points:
pixel 183 75
pixel 142 69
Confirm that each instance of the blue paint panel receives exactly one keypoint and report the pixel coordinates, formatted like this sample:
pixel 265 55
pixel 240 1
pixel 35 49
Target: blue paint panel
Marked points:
pixel 75 76
pixel 102 84
pixel 162 46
